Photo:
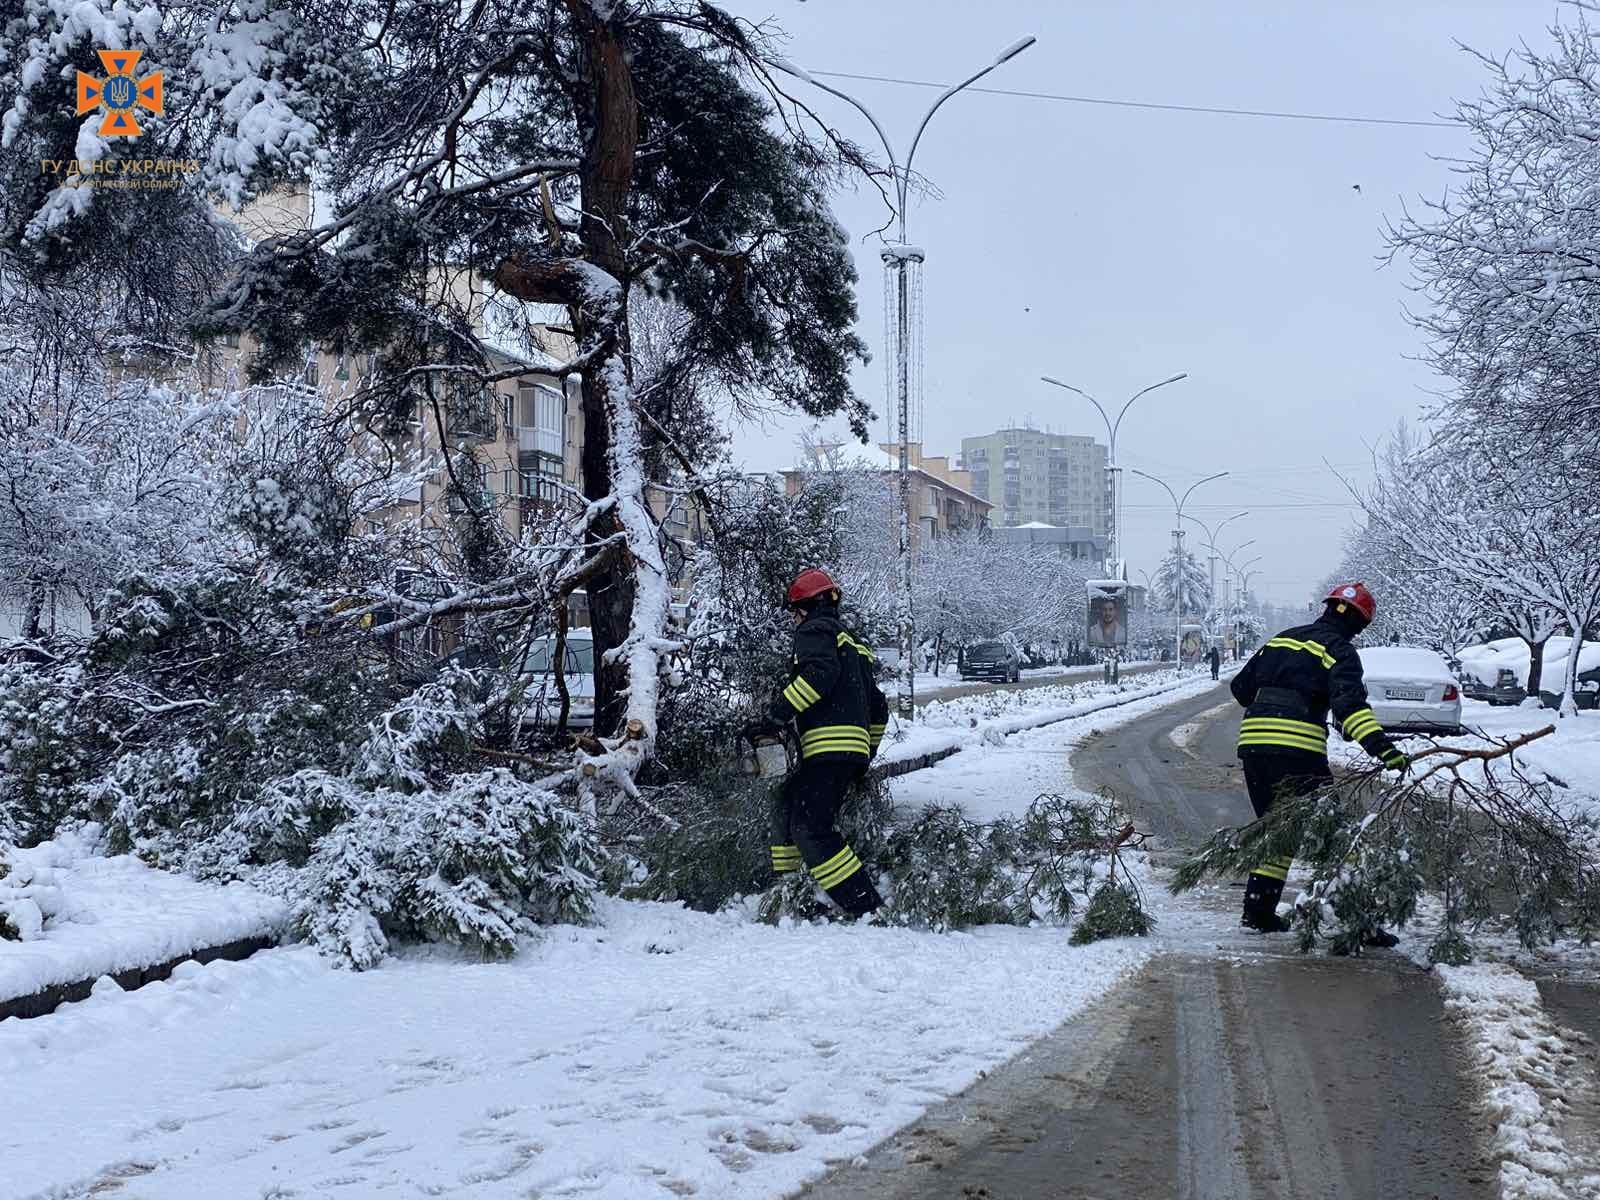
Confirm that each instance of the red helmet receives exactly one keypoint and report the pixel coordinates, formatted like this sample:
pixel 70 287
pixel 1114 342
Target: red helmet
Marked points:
pixel 811 583
pixel 1357 597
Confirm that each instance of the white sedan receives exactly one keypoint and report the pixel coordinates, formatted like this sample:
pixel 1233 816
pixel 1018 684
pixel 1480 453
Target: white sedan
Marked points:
pixel 1411 689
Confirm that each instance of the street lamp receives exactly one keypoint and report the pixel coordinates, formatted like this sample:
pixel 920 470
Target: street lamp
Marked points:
pixel 900 259
pixel 1112 557
pixel 1177 549
pixel 1227 560
pixel 1211 544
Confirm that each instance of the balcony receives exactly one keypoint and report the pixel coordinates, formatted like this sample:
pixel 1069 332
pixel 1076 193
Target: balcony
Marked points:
pixel 472 416
pixel 539 441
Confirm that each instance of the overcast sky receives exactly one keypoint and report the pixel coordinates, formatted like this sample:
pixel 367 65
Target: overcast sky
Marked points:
pixel 1113 247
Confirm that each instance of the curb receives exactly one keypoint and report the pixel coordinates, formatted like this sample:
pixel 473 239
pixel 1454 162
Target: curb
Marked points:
pixel 43 1003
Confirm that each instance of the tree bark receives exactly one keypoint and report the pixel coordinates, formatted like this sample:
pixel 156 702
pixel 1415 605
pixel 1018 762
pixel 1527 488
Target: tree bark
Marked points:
pixel 606 178
pixel 1535 664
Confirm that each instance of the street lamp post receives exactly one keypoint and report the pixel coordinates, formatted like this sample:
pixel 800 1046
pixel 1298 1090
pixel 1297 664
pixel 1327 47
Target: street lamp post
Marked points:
pixel 1211 545
pixel 900 260
pixel 1177 553
pixel 1114 542
pixel 1230 574
pixel 1245 573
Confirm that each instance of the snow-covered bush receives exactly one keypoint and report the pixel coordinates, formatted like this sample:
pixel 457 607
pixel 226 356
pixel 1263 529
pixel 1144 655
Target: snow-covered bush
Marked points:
pixel 479 862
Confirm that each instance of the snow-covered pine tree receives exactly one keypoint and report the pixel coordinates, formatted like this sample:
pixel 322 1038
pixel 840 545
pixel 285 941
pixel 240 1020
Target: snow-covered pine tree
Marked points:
pixel 1188 587
pixel 467 177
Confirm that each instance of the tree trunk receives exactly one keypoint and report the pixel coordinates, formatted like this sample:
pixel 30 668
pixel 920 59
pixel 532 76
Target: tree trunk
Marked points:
pixel 607 180
pixel 1535 664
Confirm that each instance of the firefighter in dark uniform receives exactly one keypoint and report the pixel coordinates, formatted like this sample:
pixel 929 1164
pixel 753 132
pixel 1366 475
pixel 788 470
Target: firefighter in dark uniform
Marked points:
pixel 833 698
pixel 1288 688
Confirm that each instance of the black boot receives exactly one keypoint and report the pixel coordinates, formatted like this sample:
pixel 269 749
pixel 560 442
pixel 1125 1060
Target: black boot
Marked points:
pixel 856 895
pixel 1261 895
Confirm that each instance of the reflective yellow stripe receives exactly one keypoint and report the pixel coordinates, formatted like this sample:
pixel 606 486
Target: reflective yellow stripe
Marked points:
pixel 795 699
pixel 786 858
pixel 1316 648
pixel 803 686
pixel 1284 725
pixel 877 728
pixel 837 869
pixel 834 739
pixel 1284 740
pixel 1362 724
pixel 844 639
pixel 1274 868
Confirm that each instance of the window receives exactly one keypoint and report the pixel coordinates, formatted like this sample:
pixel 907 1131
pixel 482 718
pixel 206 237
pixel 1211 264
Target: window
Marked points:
pixel 231 340
pixel 342 370
pixel 312 373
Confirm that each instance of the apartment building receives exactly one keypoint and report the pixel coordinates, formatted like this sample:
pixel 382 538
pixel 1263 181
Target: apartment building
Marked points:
pixel 942 497
pixel 1033 476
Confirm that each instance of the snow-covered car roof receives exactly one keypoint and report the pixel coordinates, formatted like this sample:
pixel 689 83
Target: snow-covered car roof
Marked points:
pixel 1405 662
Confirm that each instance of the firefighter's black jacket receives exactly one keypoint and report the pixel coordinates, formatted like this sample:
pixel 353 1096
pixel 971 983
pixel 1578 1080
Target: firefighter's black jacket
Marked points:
pixel 832 694
pixel 1289 686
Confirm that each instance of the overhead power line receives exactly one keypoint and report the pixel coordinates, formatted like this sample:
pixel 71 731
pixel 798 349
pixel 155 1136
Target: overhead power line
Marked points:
pixel 1062 98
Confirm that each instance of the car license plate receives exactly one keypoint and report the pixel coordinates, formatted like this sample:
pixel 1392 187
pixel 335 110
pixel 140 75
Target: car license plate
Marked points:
pixel 1392 693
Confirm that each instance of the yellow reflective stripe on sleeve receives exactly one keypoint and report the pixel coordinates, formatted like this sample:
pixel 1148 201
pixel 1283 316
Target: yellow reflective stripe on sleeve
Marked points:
pixel 1315 648
pixel 837 869
pixel 786 858
pixel 1361 723
pixel 795 698
pixel 803 685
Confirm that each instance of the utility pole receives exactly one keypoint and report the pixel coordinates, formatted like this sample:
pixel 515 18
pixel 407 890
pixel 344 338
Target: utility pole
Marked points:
pixel 901 293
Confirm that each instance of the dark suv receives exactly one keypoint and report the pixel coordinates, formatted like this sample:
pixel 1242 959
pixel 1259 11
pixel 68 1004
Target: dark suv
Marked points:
pixel 1505 690
pixel 998 661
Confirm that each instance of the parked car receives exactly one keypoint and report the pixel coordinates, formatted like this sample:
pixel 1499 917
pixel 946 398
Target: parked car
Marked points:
pixel 998 661
pixel 1504 691
pixel 1410 688
pixel 578 671
pixel 1588 694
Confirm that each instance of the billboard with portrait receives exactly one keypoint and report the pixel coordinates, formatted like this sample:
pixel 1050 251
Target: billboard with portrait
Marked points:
pixel 1193 643
pixel 1108 613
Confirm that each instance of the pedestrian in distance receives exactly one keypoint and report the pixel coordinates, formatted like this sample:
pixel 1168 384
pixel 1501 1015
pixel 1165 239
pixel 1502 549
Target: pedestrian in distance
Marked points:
pixel 1288 688
pixel 832 697
pixel 1214 657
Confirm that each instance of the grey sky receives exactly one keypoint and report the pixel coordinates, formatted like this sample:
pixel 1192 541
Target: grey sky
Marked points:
pixel 1114 247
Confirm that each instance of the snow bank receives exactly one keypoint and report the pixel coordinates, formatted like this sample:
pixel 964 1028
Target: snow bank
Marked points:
pixel 82 916
pixel 1528 1075
pixel 661 1054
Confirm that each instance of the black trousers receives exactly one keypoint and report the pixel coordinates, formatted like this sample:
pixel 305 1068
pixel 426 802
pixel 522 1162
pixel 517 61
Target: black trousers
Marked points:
pixel 804 831
pixel 1270 777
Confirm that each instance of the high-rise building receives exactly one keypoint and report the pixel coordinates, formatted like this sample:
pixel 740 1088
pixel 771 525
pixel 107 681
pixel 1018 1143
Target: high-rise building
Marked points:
pixel 1033 477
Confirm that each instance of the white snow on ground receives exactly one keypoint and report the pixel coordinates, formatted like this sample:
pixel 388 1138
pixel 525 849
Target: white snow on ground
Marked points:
pixel 949 679
pixel 663 1053
pixel 83 916
pixel 1528 1075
